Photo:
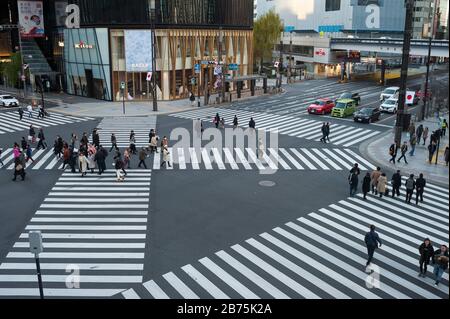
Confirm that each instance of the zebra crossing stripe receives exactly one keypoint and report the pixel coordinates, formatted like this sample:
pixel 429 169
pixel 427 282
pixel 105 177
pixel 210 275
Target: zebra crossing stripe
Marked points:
pixel 339 160
pixel 63 266
pixel 254 159
pixel 242 159
pixel 218 158
pixel 228 279
pixel 313 279
pixel 335 261
pixel 180 286
pixel 252 276
pixel 278 158
pixel 399 280
pixel 63 255
pixel 41 162
pixel 182 159
pixel 326 159
pixel 59 292
pixel 315 159
pixel 157 160
pixel 365 137
pixel 303 159
pixel 63 278
pixel 360 159
pixel 194 159
pixel 230 159
pixel 153 288
pixel 206 159
pixel 275 273
pixel 130 294
pixel 204 282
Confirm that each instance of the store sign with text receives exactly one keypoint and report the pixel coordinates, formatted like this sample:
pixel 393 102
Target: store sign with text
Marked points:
pixel 83 45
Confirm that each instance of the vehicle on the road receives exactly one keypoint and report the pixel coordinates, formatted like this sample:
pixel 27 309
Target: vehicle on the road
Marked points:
pixel 389 92
pixel 343 108
pixel 390 105
pixel 8 101
pixel 367 115
pixel 348 95
pixel 321 106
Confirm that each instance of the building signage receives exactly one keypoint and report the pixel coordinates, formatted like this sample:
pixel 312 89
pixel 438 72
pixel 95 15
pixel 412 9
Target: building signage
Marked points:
pixel 233 67
pixel 138 50
pixel 83 45
pixel 31 19
pixel 320 52
pixel 289 28
pixel 197 68
pixel 330 28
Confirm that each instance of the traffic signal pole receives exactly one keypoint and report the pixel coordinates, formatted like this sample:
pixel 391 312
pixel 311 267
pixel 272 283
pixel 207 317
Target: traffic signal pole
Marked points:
pixel 409 4
pixel 430 39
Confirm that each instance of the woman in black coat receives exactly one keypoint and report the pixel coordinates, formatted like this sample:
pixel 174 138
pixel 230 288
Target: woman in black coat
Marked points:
pixel 426 251
pixel 366 185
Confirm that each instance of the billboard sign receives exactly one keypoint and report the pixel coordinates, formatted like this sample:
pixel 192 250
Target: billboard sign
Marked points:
pixel 31 19
pixel 330 28
pixel 138 50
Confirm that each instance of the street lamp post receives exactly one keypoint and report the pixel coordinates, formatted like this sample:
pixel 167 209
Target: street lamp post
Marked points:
pixel 290 58
pixel 430 32
pixel 154 93
pixel 409 4
pixel 280 64
pixel 222 100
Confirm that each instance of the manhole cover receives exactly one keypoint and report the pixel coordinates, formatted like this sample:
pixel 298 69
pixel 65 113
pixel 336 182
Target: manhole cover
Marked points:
pixel 267 183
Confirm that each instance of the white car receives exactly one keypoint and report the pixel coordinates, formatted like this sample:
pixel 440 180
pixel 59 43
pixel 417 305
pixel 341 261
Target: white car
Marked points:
pixel 8 101
pixel 389 92
pixel 389 106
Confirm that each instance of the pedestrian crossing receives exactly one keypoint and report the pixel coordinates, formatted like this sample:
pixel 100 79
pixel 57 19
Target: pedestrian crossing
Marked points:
pixel 340 134
pixel 321 256
pixel 272 159
pixel 94 233
pixel 122 126
pixel 226 158
pixel 10 121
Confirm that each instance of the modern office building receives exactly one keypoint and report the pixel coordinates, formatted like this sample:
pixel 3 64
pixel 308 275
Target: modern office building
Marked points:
pixel 114 46
pixel 316 22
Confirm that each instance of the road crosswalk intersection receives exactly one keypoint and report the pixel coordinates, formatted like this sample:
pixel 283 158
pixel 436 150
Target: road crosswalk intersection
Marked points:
pixel 340 134
pixel 94 238
pixel 321 255
pixel 10 122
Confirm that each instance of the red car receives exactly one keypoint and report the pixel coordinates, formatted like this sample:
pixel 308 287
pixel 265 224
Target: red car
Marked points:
pixel 321 106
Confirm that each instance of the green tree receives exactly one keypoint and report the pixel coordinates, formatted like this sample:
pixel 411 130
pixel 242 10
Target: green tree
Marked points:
pixel 266 32
pixel 12 69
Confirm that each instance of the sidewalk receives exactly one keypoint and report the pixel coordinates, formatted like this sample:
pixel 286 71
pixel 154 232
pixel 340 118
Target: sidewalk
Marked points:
pixel 377 152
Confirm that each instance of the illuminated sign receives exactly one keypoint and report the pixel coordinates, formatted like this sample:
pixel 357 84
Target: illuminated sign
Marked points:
pixel 83 45
pixel 320 52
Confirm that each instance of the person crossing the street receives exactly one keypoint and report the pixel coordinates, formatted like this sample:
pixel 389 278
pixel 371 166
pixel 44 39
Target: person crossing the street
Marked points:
pixel 95 138
pixel 23 144
pixel 420 187
pixel 251 123
pixel 19 167
pixel 366 185
pixel 82 164
pixel 410 185
pixel 29 152
pixel 100 158
pixel 440 263
pixel 142 157
pixel 393 149
pixel 41 142
pixel 419 133
pixel 32 134
pixel 425 135
pixel 327 132
pixel 373 241
pixel 444 127
pixel 30 111
pixel 413 142
pixel 113 142
pixel 166 157
pixel 20 113
pixel 235 122
pixel 132 146
pixel 374 177
pixel 353 181
pixel 426 252
pixel 382 185
pixel 216 120
pixel 324 133
pixel 396 181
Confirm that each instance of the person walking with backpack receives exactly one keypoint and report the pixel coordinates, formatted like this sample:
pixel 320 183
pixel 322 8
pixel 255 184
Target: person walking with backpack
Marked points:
pixel 426 252
pixel 373 242
pixel 403 150
pixel 366 185
pixel 420 187
pixel 382 185
pixel 374 177
pixel 440 262
pixel 396 184
pixel 410 185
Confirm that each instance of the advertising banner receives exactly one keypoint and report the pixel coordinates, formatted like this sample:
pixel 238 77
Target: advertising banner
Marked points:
pixel 60 13
pixel 31 19
pixel 138 50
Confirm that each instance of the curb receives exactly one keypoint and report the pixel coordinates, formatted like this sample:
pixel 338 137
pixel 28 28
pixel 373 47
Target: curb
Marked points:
pixel 364 147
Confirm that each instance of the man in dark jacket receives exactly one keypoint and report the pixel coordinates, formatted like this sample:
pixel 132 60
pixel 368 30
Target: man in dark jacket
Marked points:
pixel 41 138
pixel 324 133
pixel 410 185
pixel 419 132
pixel 327 131
pixel 353 184
pixel 393 149
pixel 396 184
pixel 252 123
pixel 113 142
pixel 100 158
pixel 426 251
pixel 440 262
pixel 420 187
pixel 372 240
pixel 366 185
pixel 403 150
pixel 95 138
